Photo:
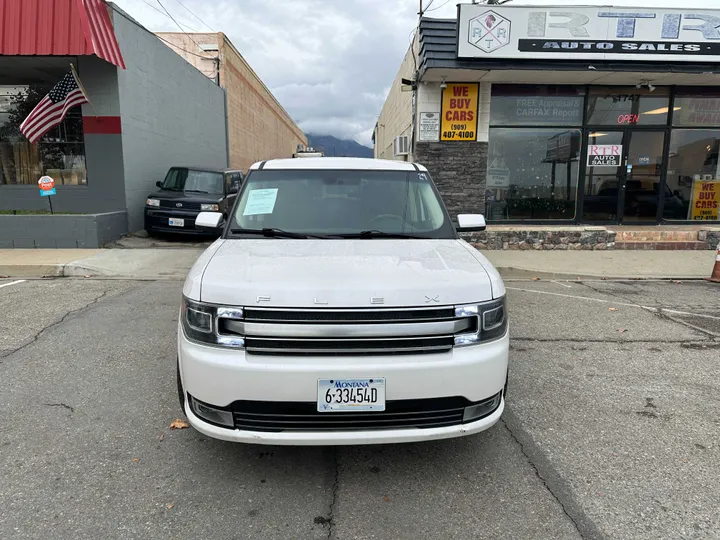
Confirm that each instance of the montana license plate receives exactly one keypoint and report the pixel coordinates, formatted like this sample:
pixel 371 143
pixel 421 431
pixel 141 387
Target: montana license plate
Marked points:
pixel 175 222
pixel 336 395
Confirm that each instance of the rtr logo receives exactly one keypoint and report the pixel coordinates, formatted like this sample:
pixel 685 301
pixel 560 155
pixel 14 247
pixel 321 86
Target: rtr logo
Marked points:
pixel 489 31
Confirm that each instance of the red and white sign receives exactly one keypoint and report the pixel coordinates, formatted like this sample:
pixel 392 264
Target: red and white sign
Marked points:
pixel 46 183
pixel 604 155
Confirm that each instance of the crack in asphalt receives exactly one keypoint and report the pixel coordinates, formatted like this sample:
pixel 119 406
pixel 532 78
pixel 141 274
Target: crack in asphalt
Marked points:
pixel 620 341
pixel 659 311
pixel 336 486
pixel 53 324
pixel 583 525
pixel 68 407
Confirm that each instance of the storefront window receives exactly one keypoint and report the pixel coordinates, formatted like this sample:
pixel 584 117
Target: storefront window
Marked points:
pixel 693 176
pixel 536 106
pixel 532 174
pixel 59 154
pixel 628 106
pixel 697 108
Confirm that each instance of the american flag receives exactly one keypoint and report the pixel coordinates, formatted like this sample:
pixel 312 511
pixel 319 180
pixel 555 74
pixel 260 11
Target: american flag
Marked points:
pixel 52 109
pixel 98 28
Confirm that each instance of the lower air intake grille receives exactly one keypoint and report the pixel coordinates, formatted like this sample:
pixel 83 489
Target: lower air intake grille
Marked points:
pixel 302 416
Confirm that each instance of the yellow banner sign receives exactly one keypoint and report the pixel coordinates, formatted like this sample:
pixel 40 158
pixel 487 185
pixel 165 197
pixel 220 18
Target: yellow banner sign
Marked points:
pixel 705 200
pixel 459 112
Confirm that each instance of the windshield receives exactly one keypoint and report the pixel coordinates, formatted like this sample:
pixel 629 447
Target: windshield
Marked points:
pixel 342 204
pixel 194 181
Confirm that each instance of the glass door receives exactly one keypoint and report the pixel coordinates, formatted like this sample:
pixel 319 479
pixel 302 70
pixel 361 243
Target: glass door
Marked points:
pixel 641 191
pixel 604 176
pixel 622 176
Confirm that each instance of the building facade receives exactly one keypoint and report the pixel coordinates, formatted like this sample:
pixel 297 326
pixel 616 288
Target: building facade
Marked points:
pixel 259 128
pixel 580 115
pixel 106 156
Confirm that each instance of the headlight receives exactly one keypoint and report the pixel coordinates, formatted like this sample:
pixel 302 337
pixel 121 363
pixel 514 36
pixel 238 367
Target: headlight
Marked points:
pixel 209 208
pixel 207 323
pixel 153 202
pixel 491 322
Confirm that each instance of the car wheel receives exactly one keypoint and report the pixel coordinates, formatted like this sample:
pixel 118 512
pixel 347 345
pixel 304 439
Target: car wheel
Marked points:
pixel 181 392
pixel 151 233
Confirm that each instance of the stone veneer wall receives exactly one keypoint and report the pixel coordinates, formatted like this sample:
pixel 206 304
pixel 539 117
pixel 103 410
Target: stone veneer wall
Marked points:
pixel 584 239
pixel 459 170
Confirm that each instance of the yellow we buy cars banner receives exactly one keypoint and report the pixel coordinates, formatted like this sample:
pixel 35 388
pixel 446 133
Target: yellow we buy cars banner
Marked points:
pixel 459 112
pixel 705 201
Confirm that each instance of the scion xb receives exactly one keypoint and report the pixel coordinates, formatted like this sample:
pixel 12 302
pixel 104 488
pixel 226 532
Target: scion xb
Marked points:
pixel 340 306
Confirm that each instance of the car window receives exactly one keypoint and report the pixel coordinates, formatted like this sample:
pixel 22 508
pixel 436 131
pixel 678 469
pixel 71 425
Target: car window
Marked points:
pixel 343 203
pixel 179 179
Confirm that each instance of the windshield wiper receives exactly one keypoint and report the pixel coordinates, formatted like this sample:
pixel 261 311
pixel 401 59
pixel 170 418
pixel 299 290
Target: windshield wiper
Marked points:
pixel 277 233
pixel 379 234
pixel 195 191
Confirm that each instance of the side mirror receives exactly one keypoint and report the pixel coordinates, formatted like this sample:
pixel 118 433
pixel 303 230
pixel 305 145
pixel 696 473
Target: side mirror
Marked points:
pixel 471 223
pixel 208 221
pixel 159 184
pixel 234 188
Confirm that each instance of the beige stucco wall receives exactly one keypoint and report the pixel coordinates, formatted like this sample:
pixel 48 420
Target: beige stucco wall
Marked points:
pixel 259 128
pixel 396 115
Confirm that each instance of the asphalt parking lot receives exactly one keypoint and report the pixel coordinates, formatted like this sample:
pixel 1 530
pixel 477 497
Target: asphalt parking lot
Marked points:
pixel 611 431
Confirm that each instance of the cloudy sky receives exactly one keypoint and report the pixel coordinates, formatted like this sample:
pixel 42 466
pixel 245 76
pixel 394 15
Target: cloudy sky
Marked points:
pixel 329 62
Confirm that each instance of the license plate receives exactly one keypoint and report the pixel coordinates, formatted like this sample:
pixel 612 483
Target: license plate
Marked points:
pixel 351 395
pixel 175 222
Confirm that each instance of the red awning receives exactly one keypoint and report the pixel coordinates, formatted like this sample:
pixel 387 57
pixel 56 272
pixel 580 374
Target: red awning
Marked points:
pixel 58 28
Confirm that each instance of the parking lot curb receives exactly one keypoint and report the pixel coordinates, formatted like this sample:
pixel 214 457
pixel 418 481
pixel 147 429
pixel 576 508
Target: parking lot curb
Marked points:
pixel 558 487
pixel 32 270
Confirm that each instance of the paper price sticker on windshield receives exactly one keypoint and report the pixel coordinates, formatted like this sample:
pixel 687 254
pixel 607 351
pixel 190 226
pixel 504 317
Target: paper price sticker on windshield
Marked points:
pixel 459 112
pixel 260 201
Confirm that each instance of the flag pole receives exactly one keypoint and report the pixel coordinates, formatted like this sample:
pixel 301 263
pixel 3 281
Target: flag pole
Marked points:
pixel 80 84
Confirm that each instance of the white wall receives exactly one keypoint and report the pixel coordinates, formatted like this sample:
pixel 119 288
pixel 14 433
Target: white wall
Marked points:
pixel 396 115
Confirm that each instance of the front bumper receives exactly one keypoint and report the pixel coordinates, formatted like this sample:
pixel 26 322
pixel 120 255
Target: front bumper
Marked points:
pixel 220 377
pixel 158 219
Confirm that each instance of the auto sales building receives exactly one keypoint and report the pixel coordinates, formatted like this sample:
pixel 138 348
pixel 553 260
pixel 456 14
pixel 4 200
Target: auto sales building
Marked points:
pixel 564 115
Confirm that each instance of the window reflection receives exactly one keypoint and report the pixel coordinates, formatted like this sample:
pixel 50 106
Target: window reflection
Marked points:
pixel 532 174
pixel 59 154
pixel 693 161
pixel 629 106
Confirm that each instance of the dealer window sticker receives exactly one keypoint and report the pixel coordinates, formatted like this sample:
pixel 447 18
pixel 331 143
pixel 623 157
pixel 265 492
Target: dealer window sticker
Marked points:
pixel 260 201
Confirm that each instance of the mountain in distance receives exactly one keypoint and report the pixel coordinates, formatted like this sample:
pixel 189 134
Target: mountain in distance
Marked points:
pixel 332 146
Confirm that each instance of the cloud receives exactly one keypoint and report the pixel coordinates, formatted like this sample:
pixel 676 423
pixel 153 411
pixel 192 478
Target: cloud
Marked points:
pixel 329 62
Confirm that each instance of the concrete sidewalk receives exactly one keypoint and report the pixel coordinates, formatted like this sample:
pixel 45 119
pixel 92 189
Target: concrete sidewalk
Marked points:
pixel 174 264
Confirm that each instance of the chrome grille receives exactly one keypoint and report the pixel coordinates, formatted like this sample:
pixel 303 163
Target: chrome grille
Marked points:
pixel 347 332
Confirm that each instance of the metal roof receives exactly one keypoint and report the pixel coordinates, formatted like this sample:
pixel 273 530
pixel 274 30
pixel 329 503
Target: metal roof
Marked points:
pixel 438 50
pixel 42 27
pixel 57 28
pixel 337 163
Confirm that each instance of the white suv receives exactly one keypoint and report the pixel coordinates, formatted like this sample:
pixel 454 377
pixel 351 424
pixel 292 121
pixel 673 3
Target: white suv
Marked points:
pixel 341 307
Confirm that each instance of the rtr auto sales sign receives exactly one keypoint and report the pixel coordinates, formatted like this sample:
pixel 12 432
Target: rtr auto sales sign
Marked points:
pixel 568 32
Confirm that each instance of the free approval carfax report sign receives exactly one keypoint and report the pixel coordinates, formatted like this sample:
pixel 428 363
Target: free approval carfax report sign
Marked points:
pixel 578 33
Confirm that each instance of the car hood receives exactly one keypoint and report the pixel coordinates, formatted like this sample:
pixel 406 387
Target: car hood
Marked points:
pixel 342 273
pixel 178 196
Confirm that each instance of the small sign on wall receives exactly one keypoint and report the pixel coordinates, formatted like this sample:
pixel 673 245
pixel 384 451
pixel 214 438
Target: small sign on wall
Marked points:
pixel 459 112
pixel 429 127
pixel 604 155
